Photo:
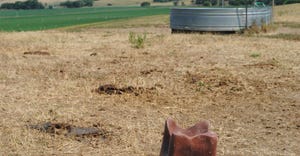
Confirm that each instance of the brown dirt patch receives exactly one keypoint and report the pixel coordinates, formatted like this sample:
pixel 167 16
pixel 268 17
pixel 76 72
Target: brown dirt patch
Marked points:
pixel 270 64
pixel 112 89
pixel 215 80
pixel 71 130
pixel 148 72
pixel 37 53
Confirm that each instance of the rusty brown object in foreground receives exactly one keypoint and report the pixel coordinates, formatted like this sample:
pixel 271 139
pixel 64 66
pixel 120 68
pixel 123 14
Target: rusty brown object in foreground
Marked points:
pixel 194 141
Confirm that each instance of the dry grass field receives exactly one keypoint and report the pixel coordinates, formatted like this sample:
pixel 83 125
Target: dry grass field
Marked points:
pixel 247 86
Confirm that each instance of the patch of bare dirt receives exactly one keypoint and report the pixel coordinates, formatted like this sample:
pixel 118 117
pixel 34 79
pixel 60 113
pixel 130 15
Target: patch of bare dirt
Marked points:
pixel 37 53
pixel 70 130
pixel 215 80
pixel 270 64
pixel 148 72
pixel 112 89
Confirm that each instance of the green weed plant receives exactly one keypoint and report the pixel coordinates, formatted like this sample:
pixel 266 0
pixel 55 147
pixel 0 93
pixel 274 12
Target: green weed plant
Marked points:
pixel 137 40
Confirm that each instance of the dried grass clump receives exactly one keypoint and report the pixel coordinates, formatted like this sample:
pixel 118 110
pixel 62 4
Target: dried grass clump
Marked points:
pixel 255 29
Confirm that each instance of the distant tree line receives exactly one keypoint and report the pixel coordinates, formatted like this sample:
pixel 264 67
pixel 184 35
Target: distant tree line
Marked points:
pixel 35 4
pixel 206 2
pixel 26 5
pixel 145 4
pixel 281 2
pixel 163 0
pixel 77 4
pixel 242 2
pixel 267 2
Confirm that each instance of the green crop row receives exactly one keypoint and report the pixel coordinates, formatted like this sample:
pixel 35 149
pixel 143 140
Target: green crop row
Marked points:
pixel 28 20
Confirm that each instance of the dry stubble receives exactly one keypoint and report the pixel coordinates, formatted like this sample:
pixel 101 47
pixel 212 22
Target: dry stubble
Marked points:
pixel 251 102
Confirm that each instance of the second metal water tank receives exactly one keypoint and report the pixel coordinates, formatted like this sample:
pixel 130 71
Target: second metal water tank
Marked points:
pixel 218 19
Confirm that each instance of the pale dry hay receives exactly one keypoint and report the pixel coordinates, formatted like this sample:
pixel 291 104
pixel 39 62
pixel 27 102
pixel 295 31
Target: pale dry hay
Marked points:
pixel 62 82
pixel 262 118
pixel 287 13
pixel 284 30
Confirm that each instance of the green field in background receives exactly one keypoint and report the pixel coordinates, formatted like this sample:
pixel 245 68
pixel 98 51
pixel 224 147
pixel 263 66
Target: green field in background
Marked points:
pixel 27 20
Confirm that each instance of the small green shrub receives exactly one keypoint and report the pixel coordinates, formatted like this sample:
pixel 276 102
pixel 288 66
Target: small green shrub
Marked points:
pixel 77 4
pixel 200 86
pixel 137 40
pixel 255 55
pixel 161 1
pixel 203 86
pixel 207 3
pixel 145 4
pixel 175 3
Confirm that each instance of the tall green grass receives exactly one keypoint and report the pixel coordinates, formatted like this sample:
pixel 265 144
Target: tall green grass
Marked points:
pixel 27 20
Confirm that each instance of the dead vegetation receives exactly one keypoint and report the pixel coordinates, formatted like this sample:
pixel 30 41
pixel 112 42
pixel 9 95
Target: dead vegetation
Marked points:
pixel 247 87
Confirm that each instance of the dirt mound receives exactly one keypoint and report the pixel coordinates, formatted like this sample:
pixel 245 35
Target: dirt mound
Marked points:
pixel 215 80
pixel 112 89
pixel 93 54
pixel 36 53
pixel 70 130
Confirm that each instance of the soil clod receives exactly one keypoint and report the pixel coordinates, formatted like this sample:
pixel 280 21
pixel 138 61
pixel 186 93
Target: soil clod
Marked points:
pixel 93 54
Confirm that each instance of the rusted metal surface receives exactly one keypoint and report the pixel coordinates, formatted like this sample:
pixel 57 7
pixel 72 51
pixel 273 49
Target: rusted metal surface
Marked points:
pixel 194 141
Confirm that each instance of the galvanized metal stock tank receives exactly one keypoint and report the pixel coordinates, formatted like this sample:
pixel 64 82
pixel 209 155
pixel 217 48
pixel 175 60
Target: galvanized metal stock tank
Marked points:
pixel 218 19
